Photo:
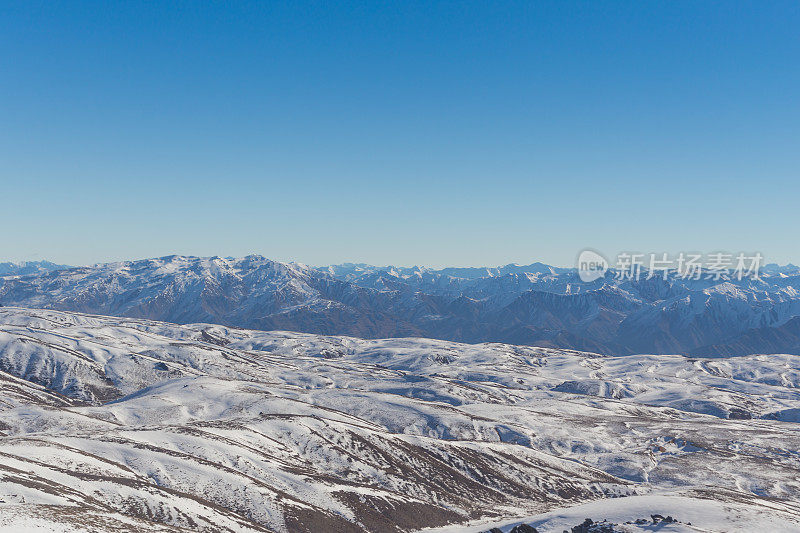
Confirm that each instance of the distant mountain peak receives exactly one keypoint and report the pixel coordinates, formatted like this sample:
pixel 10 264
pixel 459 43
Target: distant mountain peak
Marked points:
pixel 24 268
pixel 533 304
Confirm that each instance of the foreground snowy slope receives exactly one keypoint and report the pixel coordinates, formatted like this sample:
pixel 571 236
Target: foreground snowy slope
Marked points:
pixel 688 512
pixel 115 423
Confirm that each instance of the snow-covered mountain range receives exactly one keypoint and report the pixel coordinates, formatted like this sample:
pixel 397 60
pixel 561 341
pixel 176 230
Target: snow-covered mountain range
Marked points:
pixel 123 424
pixel 534 305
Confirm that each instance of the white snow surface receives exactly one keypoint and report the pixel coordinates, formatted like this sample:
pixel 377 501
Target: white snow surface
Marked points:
pixel 127 424
pixel 697 514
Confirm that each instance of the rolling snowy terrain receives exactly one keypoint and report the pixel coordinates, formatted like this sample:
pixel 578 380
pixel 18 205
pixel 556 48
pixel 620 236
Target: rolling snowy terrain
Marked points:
pixel 125 424
pixel 534 305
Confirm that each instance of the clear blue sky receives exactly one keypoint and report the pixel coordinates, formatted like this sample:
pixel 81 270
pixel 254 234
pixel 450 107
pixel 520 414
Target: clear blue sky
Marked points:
pixel 437 133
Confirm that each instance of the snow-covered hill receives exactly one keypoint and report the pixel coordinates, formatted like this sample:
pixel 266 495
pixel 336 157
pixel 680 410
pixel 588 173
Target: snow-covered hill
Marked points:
pixel 27 268
pixel 534 305
pixel 672 512
pixel 130 424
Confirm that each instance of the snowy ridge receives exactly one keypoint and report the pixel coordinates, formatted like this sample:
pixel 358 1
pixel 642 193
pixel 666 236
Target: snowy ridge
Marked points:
pixel 534 304
pixel 27 268
pixel 212 428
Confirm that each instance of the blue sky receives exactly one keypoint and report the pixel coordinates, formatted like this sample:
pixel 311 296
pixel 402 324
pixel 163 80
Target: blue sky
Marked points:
pixel 444 133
